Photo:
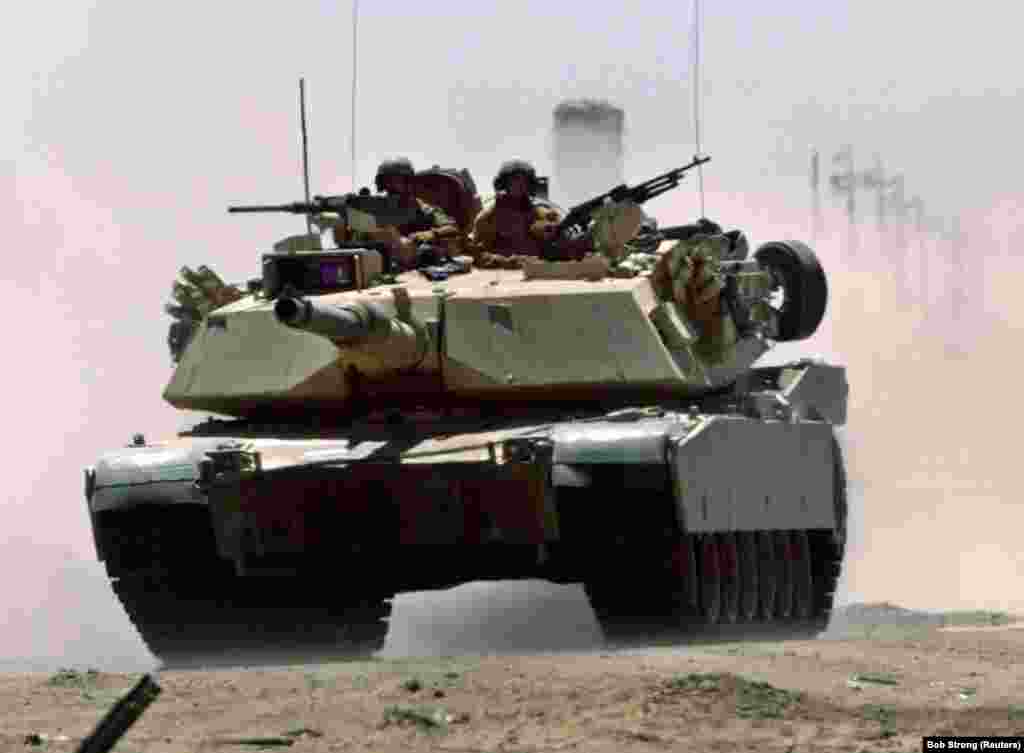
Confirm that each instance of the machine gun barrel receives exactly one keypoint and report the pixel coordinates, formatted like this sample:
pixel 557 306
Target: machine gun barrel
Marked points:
pixel 580 214
pixel 295 208
pixel 318 205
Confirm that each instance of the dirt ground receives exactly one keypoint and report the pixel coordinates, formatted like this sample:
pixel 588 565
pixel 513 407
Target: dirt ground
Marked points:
pixel 876 688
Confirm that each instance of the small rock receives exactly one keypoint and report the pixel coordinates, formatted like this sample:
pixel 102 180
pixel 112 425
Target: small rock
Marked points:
pixel 412 686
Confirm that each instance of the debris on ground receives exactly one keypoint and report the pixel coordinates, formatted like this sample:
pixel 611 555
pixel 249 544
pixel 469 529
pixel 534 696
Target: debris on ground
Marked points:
pixel 760 700
pixel 424 717
pixel 753 699
pixel 696 681
pixel 272 741
pixel 884 716
pixel 36 738
pixel 73 678
pixel 859 680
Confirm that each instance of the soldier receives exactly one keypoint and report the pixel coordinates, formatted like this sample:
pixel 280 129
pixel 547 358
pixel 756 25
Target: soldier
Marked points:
pixel 430 225
pixel 516 227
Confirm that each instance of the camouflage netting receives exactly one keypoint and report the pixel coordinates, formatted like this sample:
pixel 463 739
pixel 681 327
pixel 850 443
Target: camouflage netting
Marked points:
pixel 690 274
pixel 197 294
pixel 614 226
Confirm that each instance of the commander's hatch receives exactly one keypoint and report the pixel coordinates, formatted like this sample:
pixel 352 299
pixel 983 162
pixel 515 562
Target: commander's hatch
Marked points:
pixel 452 191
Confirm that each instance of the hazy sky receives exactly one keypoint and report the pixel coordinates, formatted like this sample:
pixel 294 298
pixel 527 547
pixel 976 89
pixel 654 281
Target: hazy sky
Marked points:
pixel 129 128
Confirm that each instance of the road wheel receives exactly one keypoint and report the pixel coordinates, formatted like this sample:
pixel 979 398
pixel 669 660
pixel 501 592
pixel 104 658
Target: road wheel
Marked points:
pixel 749 596
pixel 768 574
pixel 731 576
pixel 683 567
pixel 710 580
pixel 784 574
pixel 803 588
pixel 804 287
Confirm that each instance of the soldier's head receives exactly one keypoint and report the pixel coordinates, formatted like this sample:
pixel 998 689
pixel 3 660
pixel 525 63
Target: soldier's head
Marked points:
pixel 517 178
pixel 648 226
pixel 395 176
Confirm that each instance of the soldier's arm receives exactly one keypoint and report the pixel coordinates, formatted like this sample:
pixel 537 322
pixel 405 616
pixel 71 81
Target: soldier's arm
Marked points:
pixel 483 239
pixel 545 222
pixel 340 233
pixel 485 230
pixel 444 227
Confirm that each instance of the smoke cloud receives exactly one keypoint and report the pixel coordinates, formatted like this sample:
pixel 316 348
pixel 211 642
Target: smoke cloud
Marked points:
pixel 588 149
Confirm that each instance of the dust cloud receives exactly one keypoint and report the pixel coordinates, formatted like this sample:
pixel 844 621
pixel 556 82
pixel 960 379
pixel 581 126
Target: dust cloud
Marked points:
pixel 931 430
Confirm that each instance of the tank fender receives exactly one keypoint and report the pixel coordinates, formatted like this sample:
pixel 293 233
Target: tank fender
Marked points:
pixel 563 475
pixel 90 489
pixel 786 481
pixel 818 391
pixel 580 446
pixel 148 475
pixel 611 442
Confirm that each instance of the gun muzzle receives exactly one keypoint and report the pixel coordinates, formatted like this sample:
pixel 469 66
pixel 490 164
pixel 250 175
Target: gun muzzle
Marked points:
pixel 346 322
pixel 387 342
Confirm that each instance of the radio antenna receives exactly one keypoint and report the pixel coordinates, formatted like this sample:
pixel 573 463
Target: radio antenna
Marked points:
pixel 305 148
pixel 355 20
pixel 696 98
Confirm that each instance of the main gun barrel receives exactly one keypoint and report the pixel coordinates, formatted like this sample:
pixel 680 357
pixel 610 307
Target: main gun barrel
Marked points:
pixel 389 343
pixel 348 322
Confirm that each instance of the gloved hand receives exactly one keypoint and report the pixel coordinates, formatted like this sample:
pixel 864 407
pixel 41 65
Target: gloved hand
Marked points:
pixel 325 220
pixel 488 260
pixel 424 236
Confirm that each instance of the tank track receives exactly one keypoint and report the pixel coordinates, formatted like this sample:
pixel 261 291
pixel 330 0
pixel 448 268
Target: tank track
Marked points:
pixel 722 592
pixel 229 621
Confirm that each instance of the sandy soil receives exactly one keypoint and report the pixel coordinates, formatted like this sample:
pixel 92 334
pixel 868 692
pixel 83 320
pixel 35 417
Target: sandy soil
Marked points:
pixel 881 691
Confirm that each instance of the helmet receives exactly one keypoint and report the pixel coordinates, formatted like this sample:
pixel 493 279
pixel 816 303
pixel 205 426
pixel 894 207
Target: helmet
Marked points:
pixel 704 225
pixel 648 225
pixel 515 167
pixel 399 166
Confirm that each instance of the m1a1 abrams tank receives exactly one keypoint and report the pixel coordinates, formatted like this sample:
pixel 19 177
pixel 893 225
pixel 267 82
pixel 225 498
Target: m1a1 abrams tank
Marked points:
pixel 597 421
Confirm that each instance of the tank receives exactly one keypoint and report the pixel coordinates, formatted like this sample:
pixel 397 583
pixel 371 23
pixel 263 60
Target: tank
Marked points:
pixel 601 421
